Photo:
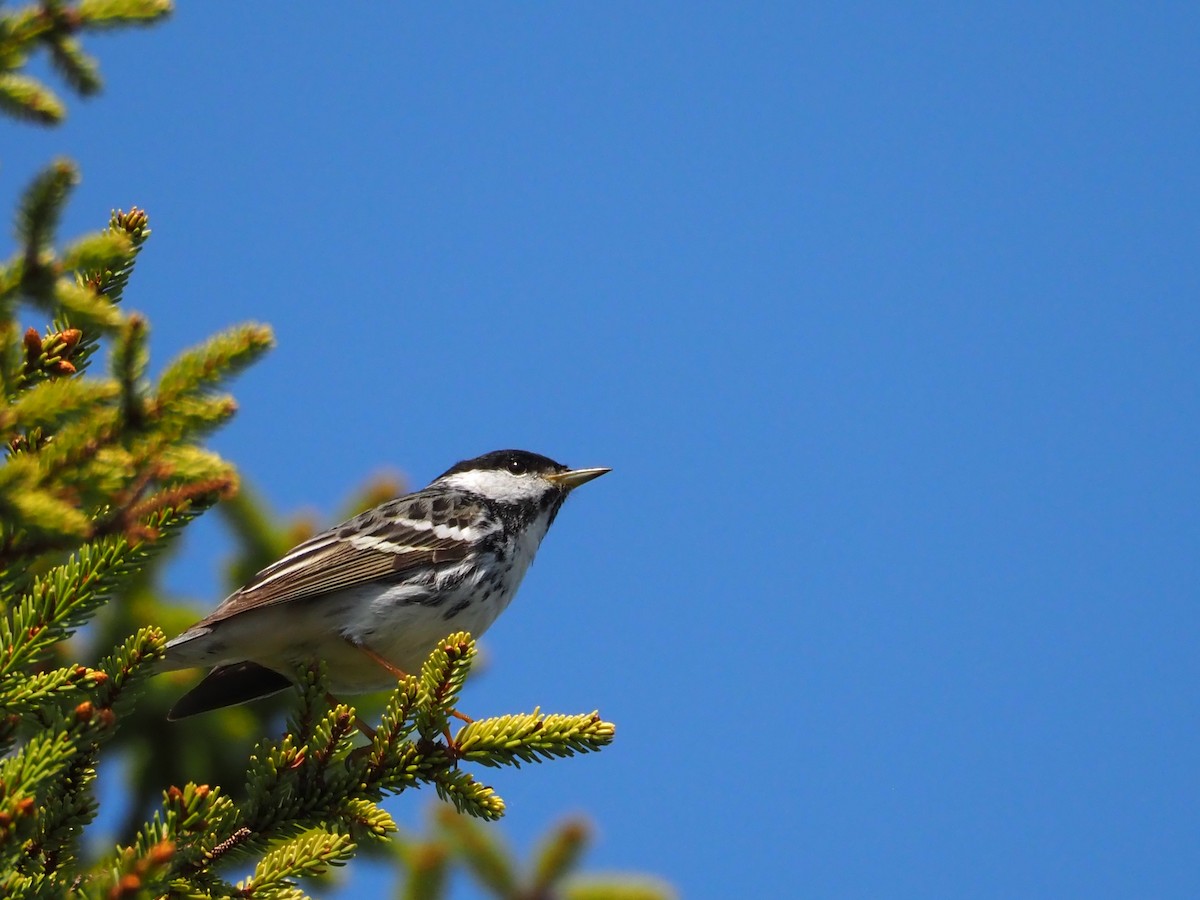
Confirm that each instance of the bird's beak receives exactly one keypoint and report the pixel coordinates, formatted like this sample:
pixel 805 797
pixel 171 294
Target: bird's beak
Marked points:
pixel 573 478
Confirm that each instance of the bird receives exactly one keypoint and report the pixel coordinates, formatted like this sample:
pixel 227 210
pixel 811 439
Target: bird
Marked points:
pixel 375 594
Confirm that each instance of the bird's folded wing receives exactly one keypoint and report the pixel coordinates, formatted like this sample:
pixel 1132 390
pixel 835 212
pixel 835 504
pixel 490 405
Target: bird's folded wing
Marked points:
pixel 328 563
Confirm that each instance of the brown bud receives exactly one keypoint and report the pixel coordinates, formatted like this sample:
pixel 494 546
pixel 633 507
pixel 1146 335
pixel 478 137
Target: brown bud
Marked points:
pixel 69 339
pixel 108 718
pixel 99 677
pixel 62 367
pixel 33 344
pixel 134 220
pixel 161 853
pixel 84 711
pixel 5 820
pixel 202 791
pixel 174 794
pixel 26 806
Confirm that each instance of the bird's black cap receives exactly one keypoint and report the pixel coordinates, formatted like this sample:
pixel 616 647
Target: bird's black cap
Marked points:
pixel 516 461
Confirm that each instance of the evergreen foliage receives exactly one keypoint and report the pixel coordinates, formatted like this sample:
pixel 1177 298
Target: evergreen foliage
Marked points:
pixel 456 844
pixel 101 472
pixel 52 25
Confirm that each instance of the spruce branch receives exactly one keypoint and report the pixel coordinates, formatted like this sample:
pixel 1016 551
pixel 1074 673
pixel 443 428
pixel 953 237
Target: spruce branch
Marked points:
pixel 27 696
pixel 77 68
pixel 313 793
pixel 213 362
pixel 103 251
pixel 558 855
pixel 115 13
pixel 468 795
pixel 396 724
pixel 66 596
pixel 482 852
pixel 28 507
pixel 39 358
pixel 441 681
pixel 531 737
pixel 52 25
pixel 65 816
pixel 426 867
pixel 458 841
pixel 617 888
pixel 77 444
pixel 80 304
pixel 134 226
pixel 24 97
pixel 49 403
pixel 129 360
pixel 39 212
pixel 366 820
pixel 32 781
pixel 310 853
pixel 125 668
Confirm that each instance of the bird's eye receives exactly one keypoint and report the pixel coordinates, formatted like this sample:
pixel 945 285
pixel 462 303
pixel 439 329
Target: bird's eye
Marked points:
pixel 517 467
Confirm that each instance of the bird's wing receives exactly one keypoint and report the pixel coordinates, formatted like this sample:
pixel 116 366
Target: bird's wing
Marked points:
pixel 419 530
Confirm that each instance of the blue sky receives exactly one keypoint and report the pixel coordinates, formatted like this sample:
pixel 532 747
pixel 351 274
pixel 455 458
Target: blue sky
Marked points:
pixel 886 319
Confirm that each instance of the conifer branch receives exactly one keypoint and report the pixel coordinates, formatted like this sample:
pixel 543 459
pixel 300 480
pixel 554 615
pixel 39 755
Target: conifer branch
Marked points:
pixel 49 403
pixel 462 842
pixel 115 13
pixel 111 280
pixel 468 795
pixel 52 25
pixel 42 358
pixel 27 98
pixel 310 853
pixel 317 781
pixel 129 360
pixel 530 737
pixel 39 213
pixel 482 853
pixel 63 599
pixel 213 362
pixel 77 68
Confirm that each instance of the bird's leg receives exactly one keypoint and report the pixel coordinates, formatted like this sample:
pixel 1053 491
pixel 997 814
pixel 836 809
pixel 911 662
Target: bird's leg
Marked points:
pixel 395 671
pixel 400 675
pixel 450 742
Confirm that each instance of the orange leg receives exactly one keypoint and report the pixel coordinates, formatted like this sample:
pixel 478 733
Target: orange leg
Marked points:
pixel 401 674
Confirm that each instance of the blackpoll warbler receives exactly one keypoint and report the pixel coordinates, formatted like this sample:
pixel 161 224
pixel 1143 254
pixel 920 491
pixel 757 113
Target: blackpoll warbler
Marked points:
pixel 373 595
